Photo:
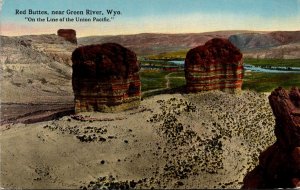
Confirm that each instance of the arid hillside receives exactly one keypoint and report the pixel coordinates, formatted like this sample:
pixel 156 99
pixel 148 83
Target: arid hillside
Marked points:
pixel 36 69
pixel 208 140
pixel 280 45
pixel 253 44
pixel 35 64
pixel 148 43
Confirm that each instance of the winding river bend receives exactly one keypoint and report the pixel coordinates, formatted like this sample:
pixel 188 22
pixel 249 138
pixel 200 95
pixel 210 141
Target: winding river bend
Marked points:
pixel 253 68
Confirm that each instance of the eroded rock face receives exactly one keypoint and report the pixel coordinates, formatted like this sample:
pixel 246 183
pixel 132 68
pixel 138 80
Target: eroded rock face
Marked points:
pixel 68 34
pixel 105 78
pixel 217 65
pixel 279 165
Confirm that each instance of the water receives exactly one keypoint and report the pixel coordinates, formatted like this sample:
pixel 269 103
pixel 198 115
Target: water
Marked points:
pixel 253 68
pixel 180 62
pixel 272 69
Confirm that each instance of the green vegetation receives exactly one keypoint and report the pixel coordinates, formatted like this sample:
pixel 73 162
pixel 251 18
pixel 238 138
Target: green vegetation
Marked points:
pixel 153 79
pixel 177 79
pixel 273 62
pixel 177 82
pixel 266 82
pixel 177 55
pixel 154 82
pixel 177 74
pixel 260 82
pixel 157 63
pixel 180 55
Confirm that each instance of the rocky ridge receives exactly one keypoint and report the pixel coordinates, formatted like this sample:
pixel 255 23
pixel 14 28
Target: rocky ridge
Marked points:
pixel 36 65
pixel 253 44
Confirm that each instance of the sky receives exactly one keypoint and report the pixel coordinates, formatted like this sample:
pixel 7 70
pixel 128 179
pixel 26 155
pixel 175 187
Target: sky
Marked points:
pixel 151 16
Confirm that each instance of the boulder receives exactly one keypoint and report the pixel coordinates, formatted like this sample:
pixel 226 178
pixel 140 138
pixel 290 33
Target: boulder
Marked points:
pixel 105 78
pixel 68 34
pixel 279 165
pixel 217 65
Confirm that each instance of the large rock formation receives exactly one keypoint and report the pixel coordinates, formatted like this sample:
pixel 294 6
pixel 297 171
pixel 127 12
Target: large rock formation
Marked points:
pixel 279 165
pixel 68 34
pixel 216 65
pixel 105 78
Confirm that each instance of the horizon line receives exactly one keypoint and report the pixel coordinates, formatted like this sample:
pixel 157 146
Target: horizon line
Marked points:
pixel 129 34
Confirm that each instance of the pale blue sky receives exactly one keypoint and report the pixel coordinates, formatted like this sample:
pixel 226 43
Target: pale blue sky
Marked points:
pixel 164 16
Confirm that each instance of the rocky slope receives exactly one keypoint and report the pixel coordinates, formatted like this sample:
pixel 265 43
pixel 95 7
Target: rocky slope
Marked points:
pixel 252 41
pixel 35 69
pixel 282 44
pixel 147 43
pixel 279 164
pixel 207 140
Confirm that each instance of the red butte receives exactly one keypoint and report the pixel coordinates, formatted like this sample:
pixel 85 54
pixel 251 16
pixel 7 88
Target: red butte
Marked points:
pixel 68 34
pixel 105 78
pixel 279 165
pixel 217 65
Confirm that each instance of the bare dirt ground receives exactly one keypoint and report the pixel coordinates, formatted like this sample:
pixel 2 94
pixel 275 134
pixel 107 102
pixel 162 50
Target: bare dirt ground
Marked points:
pixel 206 140
pixel 30 113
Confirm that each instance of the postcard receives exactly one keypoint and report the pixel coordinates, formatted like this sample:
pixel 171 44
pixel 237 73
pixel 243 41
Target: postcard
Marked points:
pixel 158 94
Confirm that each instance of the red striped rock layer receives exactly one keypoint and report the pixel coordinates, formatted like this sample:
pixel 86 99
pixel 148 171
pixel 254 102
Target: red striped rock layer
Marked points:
pixel 107 96
pixel 105 78
pixel 279 165
pixel 217 65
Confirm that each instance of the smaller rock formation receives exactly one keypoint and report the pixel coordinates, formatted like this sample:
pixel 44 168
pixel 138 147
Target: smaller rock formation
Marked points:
pixel 217 65
pixel 279 165
pixel 105 78
pixel 68 34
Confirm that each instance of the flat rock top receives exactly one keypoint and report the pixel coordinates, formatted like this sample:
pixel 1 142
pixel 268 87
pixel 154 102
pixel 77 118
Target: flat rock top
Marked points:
pixel 109 59
pixel 66 31
pixel 215 51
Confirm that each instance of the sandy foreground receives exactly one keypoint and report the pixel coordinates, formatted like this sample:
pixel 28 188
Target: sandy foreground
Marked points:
pixel 207 140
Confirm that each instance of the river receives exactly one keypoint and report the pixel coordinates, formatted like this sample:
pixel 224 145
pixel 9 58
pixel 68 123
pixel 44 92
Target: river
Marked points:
pixel 253 68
